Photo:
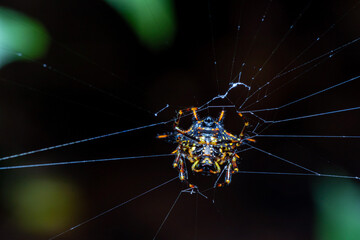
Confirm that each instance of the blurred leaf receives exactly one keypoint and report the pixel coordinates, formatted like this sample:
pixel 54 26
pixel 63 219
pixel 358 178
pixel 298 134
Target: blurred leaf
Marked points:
pixel 42 205
pixel 20 35
pixel 337 210
pixel 152 20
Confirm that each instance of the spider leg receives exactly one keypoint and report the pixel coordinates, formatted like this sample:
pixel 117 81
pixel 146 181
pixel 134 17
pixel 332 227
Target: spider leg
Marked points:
pixel 176 161
pixel 183 175
pixel 228 175
pixel 194 113
pixel 234 164
pixel 246 124
pixel 180 113
pixel 186 134
pixel 229 170
pixel 194 165
pixel 182 169
pixel 177 122
pixel 218 169
pixel 163 136
pixel 179 164
pixel 221 117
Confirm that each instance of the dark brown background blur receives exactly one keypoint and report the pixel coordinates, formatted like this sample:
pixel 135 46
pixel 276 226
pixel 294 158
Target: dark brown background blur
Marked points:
pixel 181 75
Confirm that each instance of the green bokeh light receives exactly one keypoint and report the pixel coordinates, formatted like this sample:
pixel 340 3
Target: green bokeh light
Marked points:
pixel 152 20
pixel 20 35
pixel 337 210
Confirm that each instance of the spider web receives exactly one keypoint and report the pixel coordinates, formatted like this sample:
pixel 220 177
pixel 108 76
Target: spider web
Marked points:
pixel 291 69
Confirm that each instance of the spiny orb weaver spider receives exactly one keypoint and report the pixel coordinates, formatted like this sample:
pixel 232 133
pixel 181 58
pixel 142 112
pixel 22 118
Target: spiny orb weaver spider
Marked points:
pixel 207 146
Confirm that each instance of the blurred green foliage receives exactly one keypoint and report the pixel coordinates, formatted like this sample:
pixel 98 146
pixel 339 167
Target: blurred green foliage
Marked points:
pixel 337 210
pixel 152 20
pixel 20 35
pixel 42 204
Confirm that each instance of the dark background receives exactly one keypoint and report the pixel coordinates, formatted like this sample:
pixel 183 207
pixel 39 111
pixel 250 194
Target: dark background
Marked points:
pixel 138 82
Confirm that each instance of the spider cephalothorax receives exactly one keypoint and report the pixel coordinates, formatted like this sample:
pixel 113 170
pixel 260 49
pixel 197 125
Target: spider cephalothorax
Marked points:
pixel 207 146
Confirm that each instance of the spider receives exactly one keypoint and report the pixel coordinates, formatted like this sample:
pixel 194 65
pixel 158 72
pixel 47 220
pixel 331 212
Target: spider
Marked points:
pixel 207 146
